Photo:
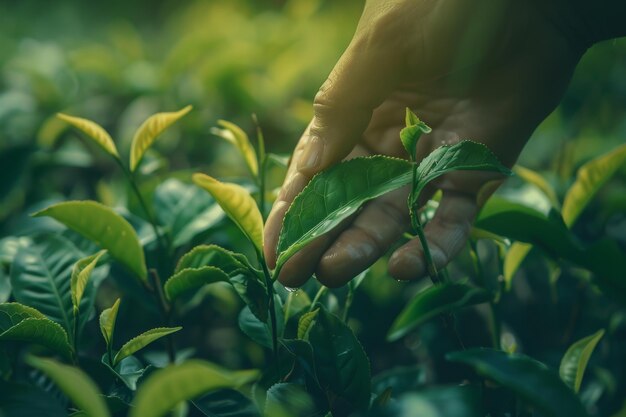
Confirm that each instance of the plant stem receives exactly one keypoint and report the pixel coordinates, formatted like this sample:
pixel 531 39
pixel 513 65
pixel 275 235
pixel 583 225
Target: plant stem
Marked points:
pixel 75 335
pixel 435 275
pixel 164 243
pixel 262 161
pixel 348 304
pixel 494 320
pixel 271 304
pixel 165 312
pixel 317 297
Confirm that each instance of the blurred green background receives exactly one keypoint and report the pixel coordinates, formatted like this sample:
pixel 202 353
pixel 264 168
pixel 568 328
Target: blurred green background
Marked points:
pixel 118 62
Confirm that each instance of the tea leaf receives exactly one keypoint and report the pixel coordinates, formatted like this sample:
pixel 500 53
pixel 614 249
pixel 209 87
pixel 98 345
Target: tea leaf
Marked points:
pixel 531 380
pixel 305 322
pixel 213 255
pixel 235 135
pixel 433 301
pixel 513 259
pixel 258 330
pixel 148 132
pixel 288 400
pixel 185 210
pixel 238 205
pixel 81 272
pixel 107 322
pixel 335 194
pixel 589 179
pixel 40 277
pixel 94 131
pixel 25 324
pixel 192 278
pixel 74 383
pixel 343 368
pixel 576 358
pixel 129 370
pixel 538 181
pixel 103 226
pixel 457 401
pixel 141 341
pixel 168 387
pixel 409 136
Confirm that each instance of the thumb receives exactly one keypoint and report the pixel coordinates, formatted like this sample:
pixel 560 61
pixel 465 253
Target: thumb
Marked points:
pixel 362 79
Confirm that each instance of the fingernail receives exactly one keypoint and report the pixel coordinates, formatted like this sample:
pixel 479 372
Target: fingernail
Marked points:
pixel 312 156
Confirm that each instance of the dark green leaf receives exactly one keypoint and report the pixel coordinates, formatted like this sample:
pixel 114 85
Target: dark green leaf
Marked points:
pixel 531 380
pixel 185 210
pixel 576 358
pixel 335 194
pixel 260 331
pixel 129 370
pixel 343 368
pixel 103 226
pixel 252 292
pixel 226 403
pixel 400 380
pixel 287 400
pixel 168 387
pixel 40 277
pixel 21 400
pixel 434 300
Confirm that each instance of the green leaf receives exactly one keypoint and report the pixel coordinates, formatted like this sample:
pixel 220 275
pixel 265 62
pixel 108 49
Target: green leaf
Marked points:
pixel 192 278
pixel 409 136
pixel 213 255
pixel 21 400
pixel 288 400
pixel 335 194
pixel 305 322
pixel 538 181
pixel 40 277
pixel 235 135
pixel 74 383
pixel 226 403
pixel 531 380
pixel 107 322
pixel 81 272
pixel 457 401
pixel 148 132
pixel 103 226
pixel 463 156
pixel 129 370
pixel 168 387
pixel 19 323
pixel 94 131
pixel 513 259
pixel 589 179
pixel 238 205
pixel 343 368
pixel 141 341
pixel 525 224
pixel 576 358
pixel 400 379
pixel 261 331
pixel 435 300
pixel 253 292
pixel 185 210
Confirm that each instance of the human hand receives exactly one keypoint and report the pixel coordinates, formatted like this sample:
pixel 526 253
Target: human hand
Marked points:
pixel 486 70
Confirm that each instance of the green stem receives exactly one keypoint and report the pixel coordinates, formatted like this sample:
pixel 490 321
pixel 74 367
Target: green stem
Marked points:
pixel 435 275
pixel 348 304
pixel 164 243
pixel 262 161
pixel 165 309
pixel 317 297
pixel 494 318
pixel 75 335
pixel 271 304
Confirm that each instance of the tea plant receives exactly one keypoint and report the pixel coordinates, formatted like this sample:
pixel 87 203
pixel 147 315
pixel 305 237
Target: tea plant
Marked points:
pixel 314 363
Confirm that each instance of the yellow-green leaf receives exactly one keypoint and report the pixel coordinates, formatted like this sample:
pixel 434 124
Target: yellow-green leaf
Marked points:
pixel 105 227
pixel 94 131
pixel 237 204
pixel 166 388
pixel 576 358
pixel 235 135
pixel 81 272
pixel 513 260
pixel 538 181
pixel 589 179
pixel 74 383
pixel 192 278
pixel 148 132
pixel 305 322
pixel 107 322
pixel 141 341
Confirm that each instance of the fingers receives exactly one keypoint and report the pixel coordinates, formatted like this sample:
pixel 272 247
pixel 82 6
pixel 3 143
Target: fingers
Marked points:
pixel 446 234
pixel 360 81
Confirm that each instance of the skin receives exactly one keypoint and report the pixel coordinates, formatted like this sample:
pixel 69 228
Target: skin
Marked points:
pixel 486 70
